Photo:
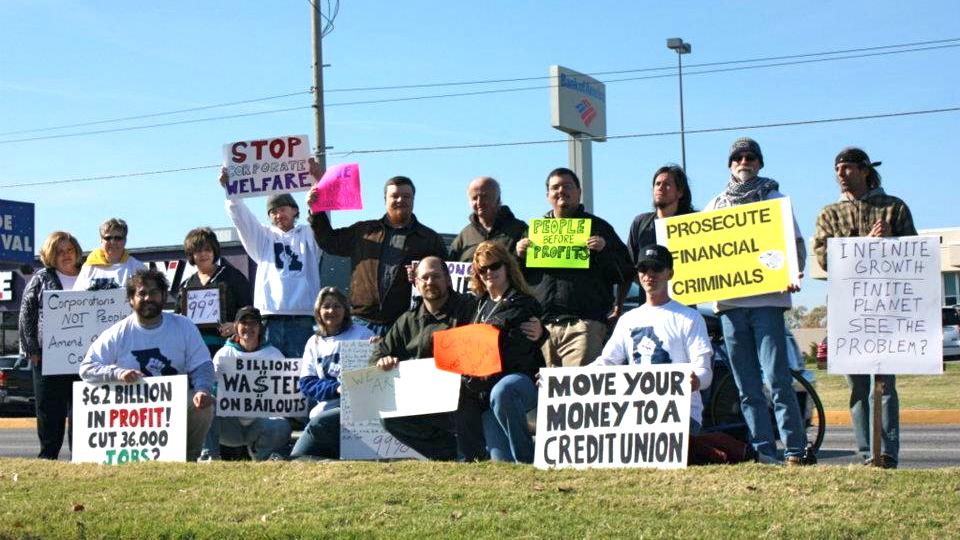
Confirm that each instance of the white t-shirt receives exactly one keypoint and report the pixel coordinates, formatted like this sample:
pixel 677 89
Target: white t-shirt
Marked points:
pixel 66 281
pixel 96 276
pixel 173 348
pixel 671 333
pixel 288 263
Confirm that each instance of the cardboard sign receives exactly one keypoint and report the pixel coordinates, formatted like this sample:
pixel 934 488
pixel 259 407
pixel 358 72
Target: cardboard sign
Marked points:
pixel 884 299
pixel 257 387
pixel 117 423
pixel 16 232
pixel 613 416
pixel 338 189
pixel 559 243
pixel 460 273
pixel 473 349
pixel 203 306
pixel 267 166
pixel 70 321
pixel 732 252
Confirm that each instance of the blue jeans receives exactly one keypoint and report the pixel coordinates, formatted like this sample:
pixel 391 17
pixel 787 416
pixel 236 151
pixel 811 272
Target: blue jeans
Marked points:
pixel 861 412
pixel 505 424
pixel 757 346
pixel 321 437
pixel 265 436
pixel 376 328
pixel 289 334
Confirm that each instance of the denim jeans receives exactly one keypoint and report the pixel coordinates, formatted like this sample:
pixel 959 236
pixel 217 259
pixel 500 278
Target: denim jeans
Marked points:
pixel 289 334
pixel 505 424
pixel 321 437
pixel 265 436
pixel 861 412
pixel 430 434
pixel 376 328
pixel 53 398
pixel 757 346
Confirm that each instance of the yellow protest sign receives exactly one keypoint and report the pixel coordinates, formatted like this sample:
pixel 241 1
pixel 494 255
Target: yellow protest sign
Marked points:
pixel 732 252
pixel 559 243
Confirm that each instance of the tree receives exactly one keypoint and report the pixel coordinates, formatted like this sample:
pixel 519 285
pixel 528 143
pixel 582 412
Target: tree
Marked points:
pixel 794 316
pixel 815 318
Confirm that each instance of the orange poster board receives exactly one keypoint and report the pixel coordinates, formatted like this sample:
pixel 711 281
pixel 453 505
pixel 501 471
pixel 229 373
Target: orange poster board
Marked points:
pixel 468 350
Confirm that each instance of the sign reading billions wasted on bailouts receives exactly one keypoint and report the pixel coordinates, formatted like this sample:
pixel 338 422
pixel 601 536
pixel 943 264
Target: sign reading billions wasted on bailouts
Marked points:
pixel 732 252
pixel 883 296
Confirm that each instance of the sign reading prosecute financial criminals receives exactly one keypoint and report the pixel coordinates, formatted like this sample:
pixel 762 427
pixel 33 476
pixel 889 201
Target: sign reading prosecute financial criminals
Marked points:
pixel 559 243
pixel 732 252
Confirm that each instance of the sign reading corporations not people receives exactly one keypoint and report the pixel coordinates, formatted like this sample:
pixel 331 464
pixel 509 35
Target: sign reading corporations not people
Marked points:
pixel 117 423
pixel 16 232
pixel 559 243
pixel 70 321
pixel 252 386
pixel 613 416
pixel 732 252
pixel 267 166
pixel 884 299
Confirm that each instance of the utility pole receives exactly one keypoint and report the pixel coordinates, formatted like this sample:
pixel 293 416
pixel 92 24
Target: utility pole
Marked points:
pixel 321 140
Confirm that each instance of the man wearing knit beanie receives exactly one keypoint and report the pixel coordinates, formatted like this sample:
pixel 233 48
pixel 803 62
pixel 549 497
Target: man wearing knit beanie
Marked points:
pixel 754 329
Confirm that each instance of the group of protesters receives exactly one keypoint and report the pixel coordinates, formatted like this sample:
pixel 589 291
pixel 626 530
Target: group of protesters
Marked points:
pixel 557 317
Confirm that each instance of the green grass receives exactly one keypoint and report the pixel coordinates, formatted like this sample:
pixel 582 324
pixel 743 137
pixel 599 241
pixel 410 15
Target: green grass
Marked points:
pixel 915 391
pixel 429 500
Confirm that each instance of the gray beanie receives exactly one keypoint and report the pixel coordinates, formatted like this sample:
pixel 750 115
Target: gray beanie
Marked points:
pixel 283 199
pixel 745 144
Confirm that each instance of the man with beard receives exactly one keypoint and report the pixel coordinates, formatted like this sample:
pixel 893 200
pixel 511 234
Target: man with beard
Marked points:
pixel 490 220
pixel 151 343
pixel 380 250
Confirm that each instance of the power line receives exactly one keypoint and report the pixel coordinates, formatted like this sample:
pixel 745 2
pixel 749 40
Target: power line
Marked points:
pixel 516 143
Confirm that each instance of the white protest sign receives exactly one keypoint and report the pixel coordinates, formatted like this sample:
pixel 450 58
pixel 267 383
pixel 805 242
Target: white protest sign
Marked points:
pixel 460 273
pixel 256 387
pixel 421 388
pixel 70 321
pixel 203 305
pixel 117 423
pixel 613 416
pixel 883 297
pixel 267 166
pixel 364 392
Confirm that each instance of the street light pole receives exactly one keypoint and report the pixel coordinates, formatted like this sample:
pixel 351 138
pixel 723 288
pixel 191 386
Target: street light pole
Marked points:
pixel 682 48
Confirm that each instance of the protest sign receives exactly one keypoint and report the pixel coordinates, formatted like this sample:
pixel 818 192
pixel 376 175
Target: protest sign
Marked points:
pixel 267 166
pixel 460 273
pixel 16 232
pixel 559 243
pixel 256 387
pixel 364 392
pixel 338 189
pixel 117 423
pixel 421 388
pixel 202 305
pixel 884 304
pixel 473 349
pixel 70 321
pixel 613 416
pixel 733 252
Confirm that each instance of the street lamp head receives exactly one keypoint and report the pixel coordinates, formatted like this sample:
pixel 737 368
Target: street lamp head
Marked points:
pixel 677 44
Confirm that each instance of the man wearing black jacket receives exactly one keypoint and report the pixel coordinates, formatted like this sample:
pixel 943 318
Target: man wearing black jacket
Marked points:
pixel 490 220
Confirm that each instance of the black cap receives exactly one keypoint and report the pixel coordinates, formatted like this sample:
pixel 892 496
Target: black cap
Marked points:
pixel 852 154
pixel 283 199
pixel 654 254
pixel 248 312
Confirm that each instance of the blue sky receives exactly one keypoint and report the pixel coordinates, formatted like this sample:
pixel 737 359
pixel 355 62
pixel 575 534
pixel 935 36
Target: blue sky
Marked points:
pixel 90 61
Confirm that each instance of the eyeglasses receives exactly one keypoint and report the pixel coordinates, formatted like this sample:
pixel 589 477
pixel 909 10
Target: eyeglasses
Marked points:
pixel 114 238
pixel 657 267
pixel 740 157
pixel 492 267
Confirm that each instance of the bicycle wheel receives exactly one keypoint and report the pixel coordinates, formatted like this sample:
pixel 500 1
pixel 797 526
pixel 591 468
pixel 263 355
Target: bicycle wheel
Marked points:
pixel 815 419
pixel 724 402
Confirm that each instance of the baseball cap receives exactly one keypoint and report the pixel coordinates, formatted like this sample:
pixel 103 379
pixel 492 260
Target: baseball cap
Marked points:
pixel 654 256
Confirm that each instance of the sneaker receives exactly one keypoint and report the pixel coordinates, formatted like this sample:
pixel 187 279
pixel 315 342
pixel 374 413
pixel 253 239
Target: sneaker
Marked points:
pixel 764 459
pixel 207 458
pixel 801 461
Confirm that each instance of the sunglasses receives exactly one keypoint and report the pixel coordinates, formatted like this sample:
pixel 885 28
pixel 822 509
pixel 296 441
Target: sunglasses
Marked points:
pixel 114 238
pixel 656 267
pixel 739 157
pixel 492 267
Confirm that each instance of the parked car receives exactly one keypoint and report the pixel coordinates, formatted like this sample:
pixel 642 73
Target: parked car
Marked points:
pixel 16 383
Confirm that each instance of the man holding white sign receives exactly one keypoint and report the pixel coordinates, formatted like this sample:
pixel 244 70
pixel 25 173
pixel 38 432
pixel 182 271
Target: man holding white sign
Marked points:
pixel 151 343
pixel 864 209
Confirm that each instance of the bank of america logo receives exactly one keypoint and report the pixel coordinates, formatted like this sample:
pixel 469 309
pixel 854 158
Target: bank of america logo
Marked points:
pixel 587 112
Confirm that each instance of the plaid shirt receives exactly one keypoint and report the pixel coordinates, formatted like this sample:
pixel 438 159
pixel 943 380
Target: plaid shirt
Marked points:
pixel 847 218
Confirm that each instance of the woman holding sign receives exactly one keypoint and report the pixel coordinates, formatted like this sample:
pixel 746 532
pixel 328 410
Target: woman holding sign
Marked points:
pixel 505 301
pixel 60 256
pixel 320 374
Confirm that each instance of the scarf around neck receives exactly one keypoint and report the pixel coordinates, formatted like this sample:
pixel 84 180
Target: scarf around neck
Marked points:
pixel 98 257
pixel 753 190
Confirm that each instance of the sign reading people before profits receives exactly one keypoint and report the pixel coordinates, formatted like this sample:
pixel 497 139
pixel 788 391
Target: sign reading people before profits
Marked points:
pixel 253 386
pixel 733 252
pixel 613 416
pixel 559 243
pixel 267 166
pixel 70 322
pixel 16 232
pixel 883 297
pixel 117 423
pixel 338 189
pixel 473 350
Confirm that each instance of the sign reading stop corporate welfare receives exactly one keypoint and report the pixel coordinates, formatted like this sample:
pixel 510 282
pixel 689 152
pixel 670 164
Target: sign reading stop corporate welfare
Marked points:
pixel 732 252
pixel 267 166
pixel 16 232
pixel 578 103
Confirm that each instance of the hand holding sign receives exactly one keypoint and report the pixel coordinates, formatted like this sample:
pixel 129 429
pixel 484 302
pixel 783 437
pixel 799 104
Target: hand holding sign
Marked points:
pixel 337 189
pixel 468 350
pixel 560 243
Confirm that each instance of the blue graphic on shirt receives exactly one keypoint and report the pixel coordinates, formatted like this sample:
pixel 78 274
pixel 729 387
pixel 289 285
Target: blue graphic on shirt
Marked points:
pixel 283 251
pixel 154 363
pixel 646 344
pixel 102 284
pixel 331 365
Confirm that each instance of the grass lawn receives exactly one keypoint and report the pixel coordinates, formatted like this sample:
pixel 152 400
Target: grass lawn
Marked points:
pixel 429 500
pixel 915 391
